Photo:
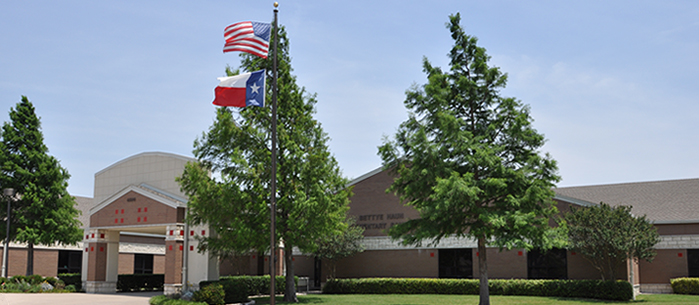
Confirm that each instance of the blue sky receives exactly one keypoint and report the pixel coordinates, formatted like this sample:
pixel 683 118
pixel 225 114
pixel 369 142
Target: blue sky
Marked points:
pixel 613 85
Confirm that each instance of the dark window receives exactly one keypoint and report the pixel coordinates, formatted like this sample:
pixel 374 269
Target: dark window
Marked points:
pixel 143 264
pixel 455 263
pixel 693 262
pixel 70 261
pixel 551 264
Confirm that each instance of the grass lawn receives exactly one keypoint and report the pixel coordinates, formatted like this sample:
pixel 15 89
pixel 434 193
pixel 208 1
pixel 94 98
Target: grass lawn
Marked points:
pixel 431 299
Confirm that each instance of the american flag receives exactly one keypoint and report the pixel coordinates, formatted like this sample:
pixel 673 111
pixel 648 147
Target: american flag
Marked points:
pixel 248 36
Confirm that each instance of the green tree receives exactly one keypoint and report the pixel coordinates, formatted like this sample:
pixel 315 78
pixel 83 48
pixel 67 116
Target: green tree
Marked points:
pixel 468 160
pixel 609 236
pixel 335 247
pixel 43 213
pixel 311 197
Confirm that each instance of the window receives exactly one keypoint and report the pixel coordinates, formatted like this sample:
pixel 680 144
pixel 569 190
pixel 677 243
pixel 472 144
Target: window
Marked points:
pixel 693 262
pixel 551 264
pixel 455 263
pixel 69 261
pixel 143 264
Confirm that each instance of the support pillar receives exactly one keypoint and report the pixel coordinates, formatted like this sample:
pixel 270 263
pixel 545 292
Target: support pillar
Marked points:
pixel 174 248
pixel 202 266
pixel 101 257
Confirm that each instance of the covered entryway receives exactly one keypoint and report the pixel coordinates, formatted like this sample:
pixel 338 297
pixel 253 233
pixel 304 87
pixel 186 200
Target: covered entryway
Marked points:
pixel 146 205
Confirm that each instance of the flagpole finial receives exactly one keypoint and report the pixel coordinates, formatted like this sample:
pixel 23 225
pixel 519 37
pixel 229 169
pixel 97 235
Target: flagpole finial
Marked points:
pixel 276 4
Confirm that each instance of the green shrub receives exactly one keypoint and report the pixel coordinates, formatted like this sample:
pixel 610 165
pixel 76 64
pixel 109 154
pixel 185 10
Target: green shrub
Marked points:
pixel 18 279
pixel 165 300
pixel 35 279
pixel 51 280
pixel 236 290
pixel 259 285
pixel 74 279
pixel 212 294
pixel 685 285
pixel 606 290
pixel 34 289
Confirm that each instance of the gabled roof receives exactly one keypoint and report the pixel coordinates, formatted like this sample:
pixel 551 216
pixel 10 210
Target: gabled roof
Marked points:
pixel 663 202
pixel 145 190
pixel 365 176
pixel 670 201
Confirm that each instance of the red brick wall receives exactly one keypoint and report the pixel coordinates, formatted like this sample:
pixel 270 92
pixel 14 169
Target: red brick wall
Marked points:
pixel 579 268
pixel 159 264
pixel 97 266
pixel 45 261
pixel 173 262
pixel 677 229
pixel 126 261
pixel 237 265
pixel 389 263
pixel 134 209
pixel 375 209
pixel 669 263
pixel 503 265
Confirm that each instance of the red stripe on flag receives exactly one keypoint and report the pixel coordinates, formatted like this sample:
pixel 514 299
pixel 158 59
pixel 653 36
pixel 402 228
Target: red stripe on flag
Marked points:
pixel 240 28
pixel 229 97
pixel 241 37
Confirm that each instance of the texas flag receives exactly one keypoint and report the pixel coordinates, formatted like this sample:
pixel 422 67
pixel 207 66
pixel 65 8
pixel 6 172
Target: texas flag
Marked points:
pixel 247 89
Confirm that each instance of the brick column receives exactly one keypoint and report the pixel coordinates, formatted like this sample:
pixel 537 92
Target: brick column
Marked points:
pixel 101 257
pixel 174 243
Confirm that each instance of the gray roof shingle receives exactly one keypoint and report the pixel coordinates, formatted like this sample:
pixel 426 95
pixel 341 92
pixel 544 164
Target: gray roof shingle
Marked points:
pixel 671 201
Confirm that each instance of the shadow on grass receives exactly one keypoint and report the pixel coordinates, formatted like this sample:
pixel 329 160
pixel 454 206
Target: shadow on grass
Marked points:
pixel 597 301
pixel 279 300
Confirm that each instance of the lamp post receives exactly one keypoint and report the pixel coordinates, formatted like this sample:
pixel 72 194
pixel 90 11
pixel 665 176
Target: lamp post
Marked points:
pixel 8 192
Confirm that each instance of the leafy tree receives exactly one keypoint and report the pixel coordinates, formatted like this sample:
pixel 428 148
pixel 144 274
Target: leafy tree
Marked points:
pixel 338 246
pixel 609 236
pixel 43 213
pixel 312 200
pixel 467 159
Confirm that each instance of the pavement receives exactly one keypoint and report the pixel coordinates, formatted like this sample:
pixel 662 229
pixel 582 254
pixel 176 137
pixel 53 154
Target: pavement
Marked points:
pixel 123 298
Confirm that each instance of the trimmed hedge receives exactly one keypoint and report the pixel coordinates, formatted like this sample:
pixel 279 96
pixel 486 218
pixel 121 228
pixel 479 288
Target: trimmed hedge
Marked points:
pixel 165 300
pixel 685 285
pixel 212 294
pixel 138 282
pixel 259 285
pixel 238 288
pixel 595 289
pixel 72 279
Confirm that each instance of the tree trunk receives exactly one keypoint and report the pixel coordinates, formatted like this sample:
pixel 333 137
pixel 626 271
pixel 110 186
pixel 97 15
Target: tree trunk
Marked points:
pixel 483 273
pixel 290 291
pixel 30 259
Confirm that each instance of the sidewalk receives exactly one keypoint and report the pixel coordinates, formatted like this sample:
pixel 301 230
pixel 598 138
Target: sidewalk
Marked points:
pixel 126 298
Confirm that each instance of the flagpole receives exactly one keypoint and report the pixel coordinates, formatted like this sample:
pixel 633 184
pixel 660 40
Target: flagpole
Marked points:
pixel 273 205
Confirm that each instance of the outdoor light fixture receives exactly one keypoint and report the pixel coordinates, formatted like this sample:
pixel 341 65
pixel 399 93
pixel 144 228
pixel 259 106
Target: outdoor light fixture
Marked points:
pixel 8 192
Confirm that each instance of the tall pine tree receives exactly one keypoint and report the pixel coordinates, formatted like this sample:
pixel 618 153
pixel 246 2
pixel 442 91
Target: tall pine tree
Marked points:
pixel 43 213
pixel 468 160
pixel 311 197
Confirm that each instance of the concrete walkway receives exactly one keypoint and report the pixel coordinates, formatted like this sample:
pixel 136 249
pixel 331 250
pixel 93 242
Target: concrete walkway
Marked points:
pixel 127 298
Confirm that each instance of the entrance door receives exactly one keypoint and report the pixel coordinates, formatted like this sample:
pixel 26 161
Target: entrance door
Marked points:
pixel 456 263
pixel 693 262
pixel 551 264
pixel 317 264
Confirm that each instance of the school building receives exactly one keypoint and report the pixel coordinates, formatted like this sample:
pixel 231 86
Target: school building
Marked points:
pixel 135 224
